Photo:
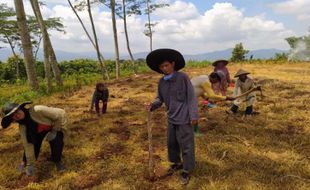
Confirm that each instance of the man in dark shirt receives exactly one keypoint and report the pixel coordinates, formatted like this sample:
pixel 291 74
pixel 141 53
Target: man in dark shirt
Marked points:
pixel 101 93
pixel 177 92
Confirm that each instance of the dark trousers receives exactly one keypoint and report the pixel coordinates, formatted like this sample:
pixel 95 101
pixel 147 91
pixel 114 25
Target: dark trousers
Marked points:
pixel 104 106
pixel 181 142
pixel 56 146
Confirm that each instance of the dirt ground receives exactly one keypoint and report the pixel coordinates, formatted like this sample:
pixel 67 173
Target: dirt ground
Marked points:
pixel 270 150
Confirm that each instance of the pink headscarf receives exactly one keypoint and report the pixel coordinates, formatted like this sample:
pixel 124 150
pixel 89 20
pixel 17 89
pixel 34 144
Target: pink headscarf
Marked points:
pixel 225 71
pixel 220 87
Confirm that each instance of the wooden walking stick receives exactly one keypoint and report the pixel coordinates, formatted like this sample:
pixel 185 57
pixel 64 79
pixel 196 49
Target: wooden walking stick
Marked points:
pixel 151 157
pixel 258 88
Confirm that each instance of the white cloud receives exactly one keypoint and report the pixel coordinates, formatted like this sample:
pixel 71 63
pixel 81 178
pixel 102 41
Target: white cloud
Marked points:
pixel 78 41
pixel 298 8
pixel 178 11
pixel 28 9
pixel 179 26
pixel 219 28
pixel 64 2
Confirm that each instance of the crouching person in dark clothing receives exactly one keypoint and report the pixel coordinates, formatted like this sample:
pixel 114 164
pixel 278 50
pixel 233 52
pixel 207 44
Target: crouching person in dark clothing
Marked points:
pixel 177 92
pixel 36 123
pixel 101 93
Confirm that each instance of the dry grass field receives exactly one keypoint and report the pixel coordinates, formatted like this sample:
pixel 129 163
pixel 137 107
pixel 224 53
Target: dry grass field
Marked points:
pixel 270 150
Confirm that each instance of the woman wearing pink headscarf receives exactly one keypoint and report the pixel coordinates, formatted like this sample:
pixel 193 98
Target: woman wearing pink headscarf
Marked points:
pixel 220 65
pixel 221 85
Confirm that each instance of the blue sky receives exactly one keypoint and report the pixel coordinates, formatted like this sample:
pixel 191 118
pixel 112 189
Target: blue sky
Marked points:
pixel 252 7
pixel 192 26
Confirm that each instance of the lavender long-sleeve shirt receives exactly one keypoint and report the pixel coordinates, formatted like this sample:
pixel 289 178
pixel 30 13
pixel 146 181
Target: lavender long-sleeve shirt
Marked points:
pixel 178 95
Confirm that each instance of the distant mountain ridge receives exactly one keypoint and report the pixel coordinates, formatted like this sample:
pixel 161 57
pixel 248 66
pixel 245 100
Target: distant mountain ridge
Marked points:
pixel 211 56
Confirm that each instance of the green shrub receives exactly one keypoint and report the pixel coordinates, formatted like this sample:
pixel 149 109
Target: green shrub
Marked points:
pixel 197 64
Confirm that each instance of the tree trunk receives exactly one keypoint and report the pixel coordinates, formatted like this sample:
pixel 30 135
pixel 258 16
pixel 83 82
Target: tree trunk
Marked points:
pixel 54 63
pixel 117 66
pixel 104 74
pixel 127 38
pixel 16 60
pixel 149 24
pixel 26 44
pixel 83 26
pixel 49 54
pixel 90 39
pixel 47 64
pixel 37 50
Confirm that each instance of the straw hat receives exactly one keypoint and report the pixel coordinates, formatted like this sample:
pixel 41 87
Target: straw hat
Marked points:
pixel 9 109
pixel 241 72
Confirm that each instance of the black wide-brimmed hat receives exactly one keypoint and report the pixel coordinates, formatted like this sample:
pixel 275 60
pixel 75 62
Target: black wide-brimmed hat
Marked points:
pixel 220 61
pixel 156 57
pixel 9 109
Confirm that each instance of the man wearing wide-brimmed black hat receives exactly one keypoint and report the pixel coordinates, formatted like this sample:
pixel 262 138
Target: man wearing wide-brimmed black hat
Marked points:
pixel 177 92
pixel 36 123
